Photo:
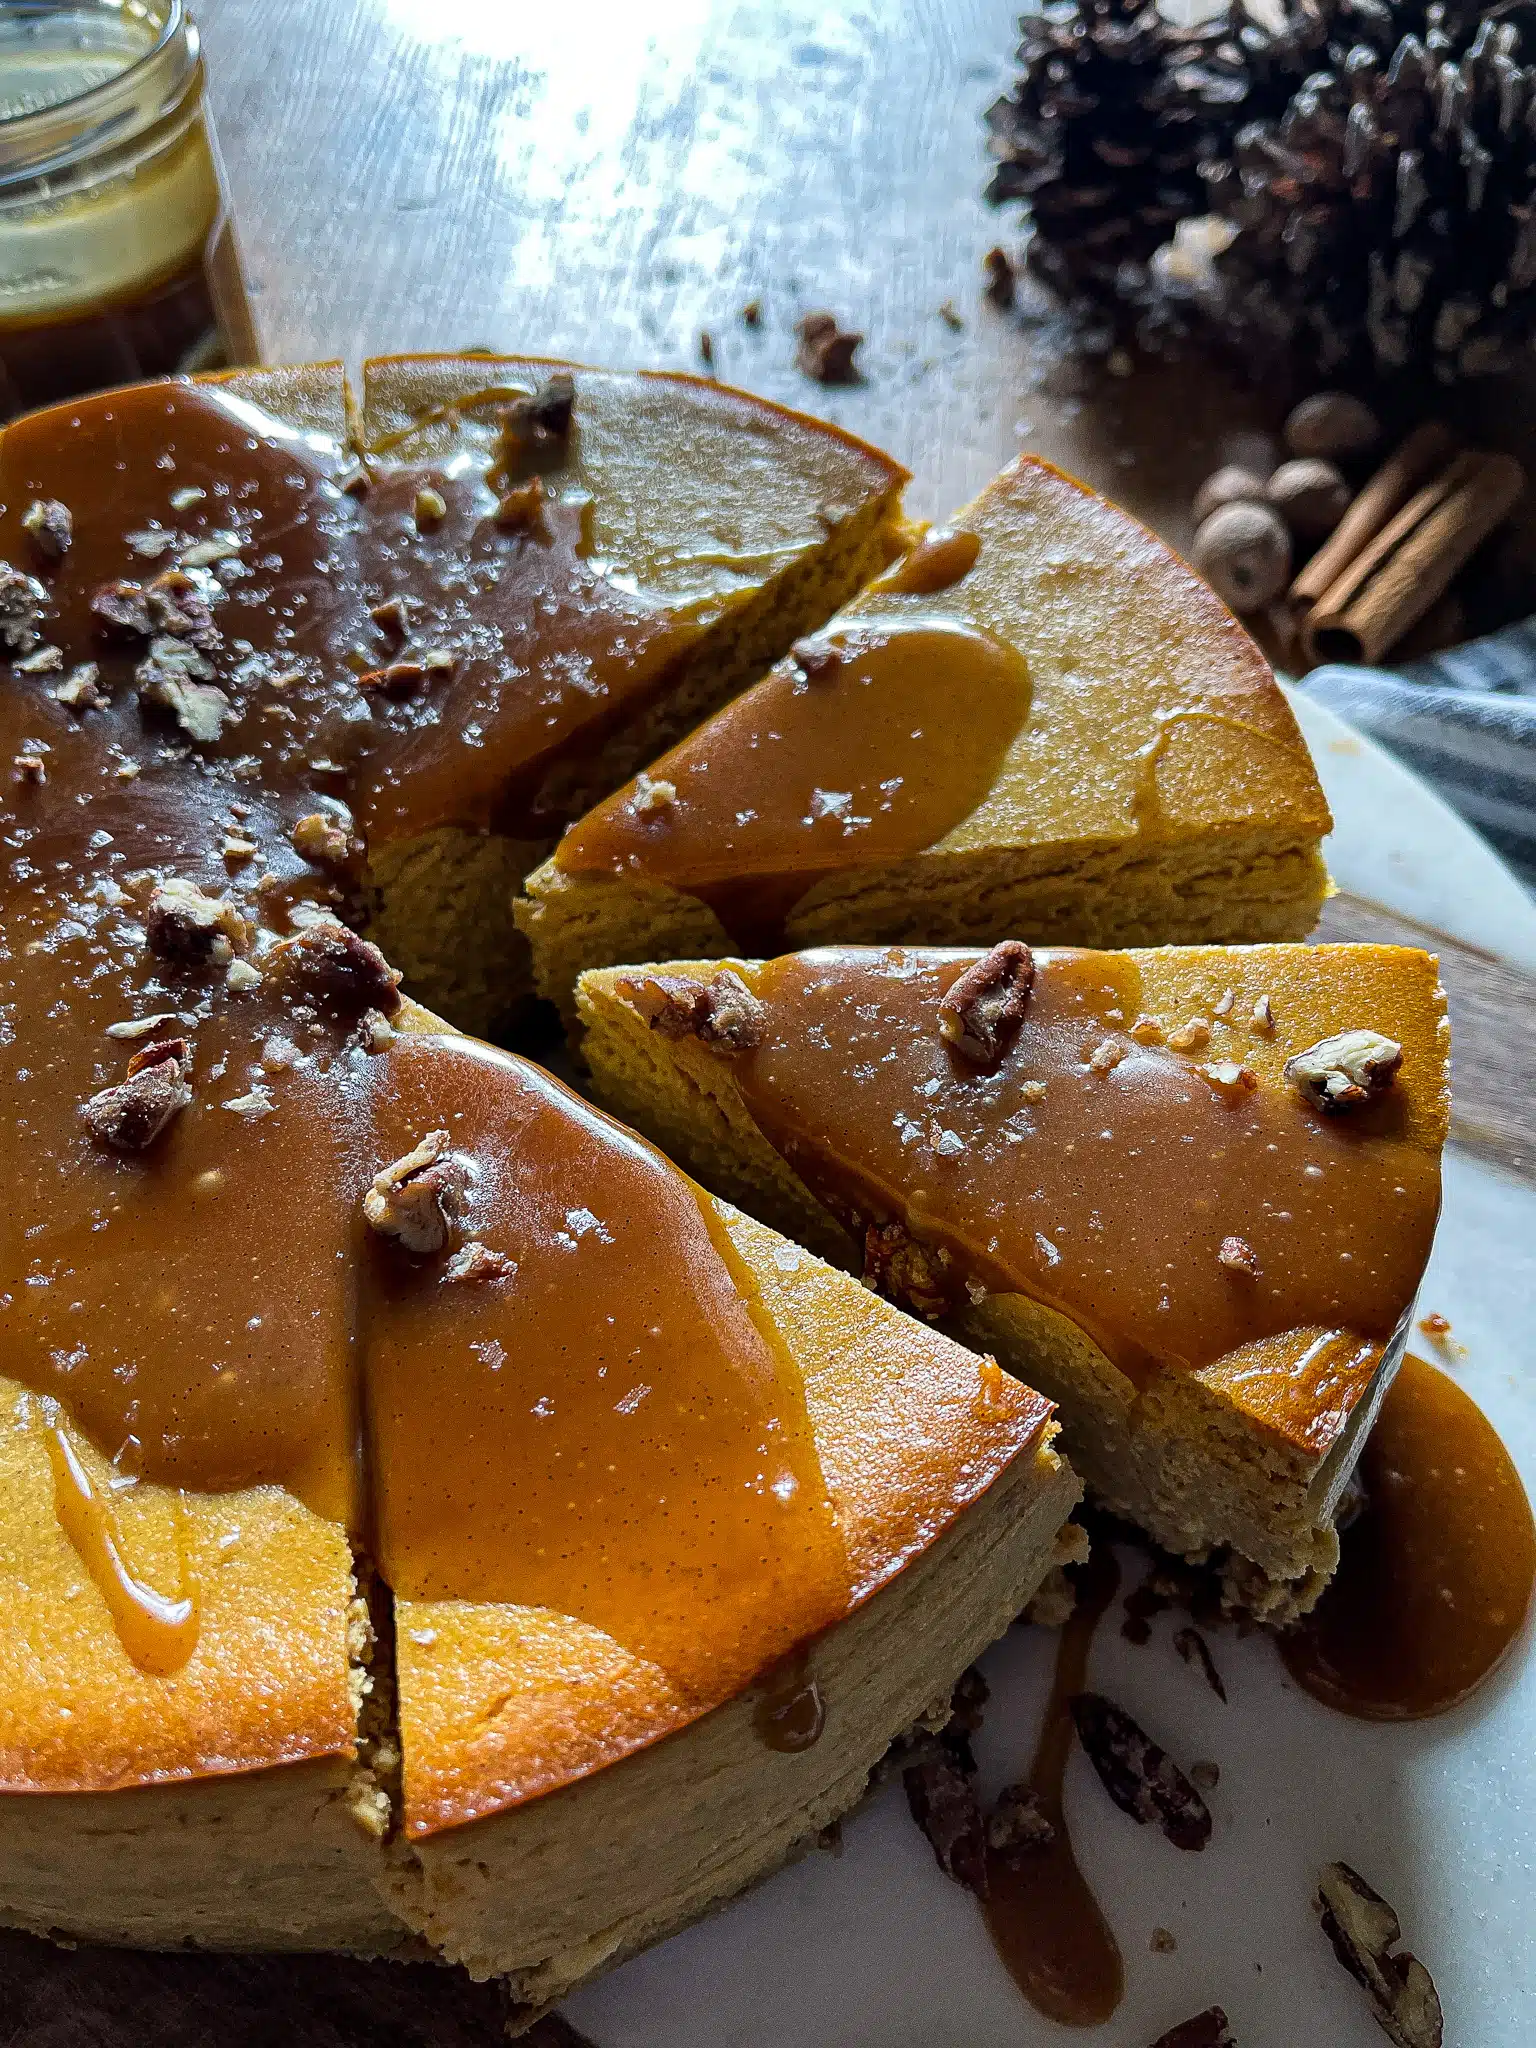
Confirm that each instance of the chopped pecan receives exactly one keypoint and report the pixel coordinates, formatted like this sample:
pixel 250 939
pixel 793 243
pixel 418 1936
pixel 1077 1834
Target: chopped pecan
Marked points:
pixel 1018 1825
pixel 941 1791
pixel 1238 1256
pixel 547 412
pixel 333 967
pixel 1346 1070
pixel 1142 1779
pixel 398 679
pixel 416 1199
pixel 431 507
pixel 522 507
pixel 183 923
pixel 130 1116
pixel 51 526
pixel 653 795
pixel 22 599
pixel 322 839
pixel 1363 1930
pixel 898 1265
pixel 983 1011
pixel 475 1263
pixel 122 607
pixel 178 608
pixel 393 618
pixel 1196 1651
pixel 175 675
pixel 816 660
pixel 1208 2029
pixel 81 689
pixel 46 660
pixel 722 1013
pixel 826 351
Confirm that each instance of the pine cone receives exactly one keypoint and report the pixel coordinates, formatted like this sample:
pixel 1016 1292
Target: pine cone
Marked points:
pixel 1114 113
pixel 1387 218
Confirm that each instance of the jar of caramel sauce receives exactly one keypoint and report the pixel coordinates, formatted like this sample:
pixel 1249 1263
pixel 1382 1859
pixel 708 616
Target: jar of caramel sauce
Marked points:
pixel 117 258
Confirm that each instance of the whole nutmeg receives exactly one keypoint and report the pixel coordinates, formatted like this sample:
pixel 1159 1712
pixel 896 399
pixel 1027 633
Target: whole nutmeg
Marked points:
pixel 1310 495
pixel 1244 552
pixel 1229 485
pixel 1330 424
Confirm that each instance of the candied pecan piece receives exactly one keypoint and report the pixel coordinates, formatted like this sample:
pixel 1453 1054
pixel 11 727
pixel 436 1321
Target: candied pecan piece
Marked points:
pixel 941 1791
pixel 1196 1651
pixel 1018 1825
pixel 1341 1072
pixel 417 1199
pixel 1363 1930
pixel 22 599
pixel 826 351
pixel 898 1265
pixel 393 619
pixel 321 839
pixel 1238 1256
pixel 1208 2029
pixel 335 968
pixel 1142 1779
pixel 548 411
pixel 131 1115
pixel 981 1015
pixel 397 679
pixel 122 607
pixel 184 923
pixel 722 1013
pixel 476 1263
pixel 52 527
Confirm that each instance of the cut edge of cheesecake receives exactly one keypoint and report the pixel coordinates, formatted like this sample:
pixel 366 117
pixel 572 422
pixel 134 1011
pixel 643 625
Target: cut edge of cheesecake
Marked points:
pixel 431 894
pixel 1224 1458
pixel 1141 680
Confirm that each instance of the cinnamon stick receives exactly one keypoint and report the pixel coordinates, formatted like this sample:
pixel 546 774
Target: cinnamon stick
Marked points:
pixel 1423 455
pixel 1412 560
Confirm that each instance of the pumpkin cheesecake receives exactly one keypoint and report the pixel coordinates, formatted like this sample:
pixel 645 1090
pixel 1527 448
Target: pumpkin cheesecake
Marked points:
pixel 410 1477
pixel 1188 1192
pixel 1039 722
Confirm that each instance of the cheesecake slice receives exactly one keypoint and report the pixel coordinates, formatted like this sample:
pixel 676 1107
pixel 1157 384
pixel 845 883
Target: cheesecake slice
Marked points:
pixel 1187 1192
pixel 1040 722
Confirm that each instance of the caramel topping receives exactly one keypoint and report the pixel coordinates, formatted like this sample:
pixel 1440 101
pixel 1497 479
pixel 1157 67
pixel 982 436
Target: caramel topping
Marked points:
pixel 158 1633
pixel 937 563
pixel 1040 1910
pixel 1105 1188
pixel 615 1430
pixel 827 764
pixel 1436 1572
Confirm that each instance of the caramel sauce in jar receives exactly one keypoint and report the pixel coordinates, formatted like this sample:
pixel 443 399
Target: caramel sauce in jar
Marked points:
pixel 1102 1187
pixel 117 259
pixel 1435 1576
pixel 1040 1910
pixel 881 738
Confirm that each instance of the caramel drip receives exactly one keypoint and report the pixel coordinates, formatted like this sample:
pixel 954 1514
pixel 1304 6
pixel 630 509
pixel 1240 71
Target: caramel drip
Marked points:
pixel 1435 1578
pixel 1102 1190
pixel 790 1714
pixel 891 740
pixel 607 1431
pixel 158 1634
pixel 938 562
pixel 1040 1910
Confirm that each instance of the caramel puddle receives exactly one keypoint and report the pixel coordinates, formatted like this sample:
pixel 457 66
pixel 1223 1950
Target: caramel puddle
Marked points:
pixel 1436 1572
pixel 1043 1918
pixel 158 1633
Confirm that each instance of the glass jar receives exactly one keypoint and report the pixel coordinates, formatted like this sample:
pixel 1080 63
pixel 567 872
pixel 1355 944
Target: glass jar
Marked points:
pixel 117 258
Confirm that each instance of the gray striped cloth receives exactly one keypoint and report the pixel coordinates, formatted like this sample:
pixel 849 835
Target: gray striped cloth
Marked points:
pixel 1465 721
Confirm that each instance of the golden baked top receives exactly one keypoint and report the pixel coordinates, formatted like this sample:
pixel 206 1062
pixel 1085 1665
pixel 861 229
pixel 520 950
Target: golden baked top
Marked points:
pixel 1046 672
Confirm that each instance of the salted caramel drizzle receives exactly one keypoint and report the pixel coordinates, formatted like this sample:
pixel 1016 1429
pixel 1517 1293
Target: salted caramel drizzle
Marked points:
pixel 1435 1577
pixel 158 1632
pixel 1040 1909
pixel 609 1425
pixel 871 746
pixel 1096 1174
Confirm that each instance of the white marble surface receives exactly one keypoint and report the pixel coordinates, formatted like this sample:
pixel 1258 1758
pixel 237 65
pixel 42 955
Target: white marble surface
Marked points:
pixel 875 1949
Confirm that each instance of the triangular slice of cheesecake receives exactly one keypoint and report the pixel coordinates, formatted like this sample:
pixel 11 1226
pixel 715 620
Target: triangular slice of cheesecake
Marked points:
pixel 1188 1192
pixel 1040 721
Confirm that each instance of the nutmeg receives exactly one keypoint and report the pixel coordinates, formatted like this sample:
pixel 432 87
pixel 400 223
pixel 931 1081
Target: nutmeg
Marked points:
pixel 1310 495
pixel 1232 484
pixel 1244 552
pixel 1330 424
